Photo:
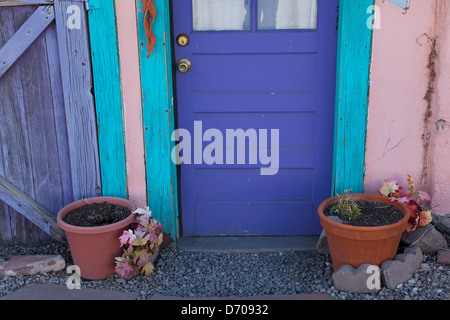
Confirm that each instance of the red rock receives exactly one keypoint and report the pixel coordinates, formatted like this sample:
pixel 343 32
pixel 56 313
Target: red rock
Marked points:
pixel 443 256
pixel 32 264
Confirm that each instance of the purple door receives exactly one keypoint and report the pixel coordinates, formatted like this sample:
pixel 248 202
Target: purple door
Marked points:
pixel 255 105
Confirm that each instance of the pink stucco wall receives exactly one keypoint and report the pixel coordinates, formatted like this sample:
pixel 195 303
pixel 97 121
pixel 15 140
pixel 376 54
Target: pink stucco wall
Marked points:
pixel 439 159
pixel 399 81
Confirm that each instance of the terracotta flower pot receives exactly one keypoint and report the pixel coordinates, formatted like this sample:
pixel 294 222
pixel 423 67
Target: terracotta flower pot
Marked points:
pixel 355 245
pixel 94 248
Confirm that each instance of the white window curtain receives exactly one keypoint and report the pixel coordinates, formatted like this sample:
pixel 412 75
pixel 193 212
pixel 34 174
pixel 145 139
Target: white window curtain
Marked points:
pixel 287 14
pixel 217 15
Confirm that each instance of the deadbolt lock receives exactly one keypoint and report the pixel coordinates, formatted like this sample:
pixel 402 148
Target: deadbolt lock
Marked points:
pixel 183 40
pixel 184 65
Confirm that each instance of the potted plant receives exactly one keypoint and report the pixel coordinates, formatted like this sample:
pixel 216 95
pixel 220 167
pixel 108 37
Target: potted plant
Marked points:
pixel 93 227
pixel 355 232
pixel 366 228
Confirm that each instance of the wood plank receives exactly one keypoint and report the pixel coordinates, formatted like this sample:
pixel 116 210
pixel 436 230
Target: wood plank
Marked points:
pixel 33 211
pixel 16 154
pixel 13 126
pixel 19 106
pixel 44 167
pixel 77 82
pixel 42 137
pixel 25 36
pixel 108 97
pixel 59 114
pixel 353 71
pixel 158 112
pixel 5 225
pixel 10 3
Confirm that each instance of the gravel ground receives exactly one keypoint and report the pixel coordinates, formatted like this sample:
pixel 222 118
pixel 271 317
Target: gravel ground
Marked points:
pixel 205 274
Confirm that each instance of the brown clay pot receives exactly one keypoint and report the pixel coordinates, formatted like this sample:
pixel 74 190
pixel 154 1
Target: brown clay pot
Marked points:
pixel 355 245
pixel 94 248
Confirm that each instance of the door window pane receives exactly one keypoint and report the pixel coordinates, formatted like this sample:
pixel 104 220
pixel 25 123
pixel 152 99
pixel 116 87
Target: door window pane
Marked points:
pixel 287 14
pixel 218 15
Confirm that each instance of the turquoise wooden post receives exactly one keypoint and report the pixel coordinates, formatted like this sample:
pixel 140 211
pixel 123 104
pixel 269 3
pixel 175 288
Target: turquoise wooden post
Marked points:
pixel 158 118
pixel 353 67
pixel 108 97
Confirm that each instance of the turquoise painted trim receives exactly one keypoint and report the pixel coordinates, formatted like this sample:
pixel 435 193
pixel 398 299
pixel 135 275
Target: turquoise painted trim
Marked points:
pixel 158 118
pixel 352 89
pixel 108 96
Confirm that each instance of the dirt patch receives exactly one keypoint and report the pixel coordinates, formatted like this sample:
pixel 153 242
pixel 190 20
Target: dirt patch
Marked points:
pixel 96 215
pixel 373 214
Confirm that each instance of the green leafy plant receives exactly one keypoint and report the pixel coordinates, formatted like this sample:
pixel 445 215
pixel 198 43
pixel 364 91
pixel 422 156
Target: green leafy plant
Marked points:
pixel 139 244
pixel 346 208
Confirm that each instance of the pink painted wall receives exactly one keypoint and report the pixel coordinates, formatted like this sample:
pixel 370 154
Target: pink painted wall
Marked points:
pixel 399 81
pixel 132 105
pixel 439 160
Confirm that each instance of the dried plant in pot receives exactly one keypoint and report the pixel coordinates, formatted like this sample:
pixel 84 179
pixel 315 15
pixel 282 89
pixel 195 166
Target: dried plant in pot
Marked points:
pixel 93 227
pixel 353 237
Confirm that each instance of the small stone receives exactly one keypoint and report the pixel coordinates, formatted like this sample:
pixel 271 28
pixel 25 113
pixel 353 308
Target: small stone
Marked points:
pixel 335 218
pixel 442 221
pixel 443 256
pixel 427 238
pixel 425 267
pixel 347 278
pixel 402 268
pixel 32 264
pixel 322 244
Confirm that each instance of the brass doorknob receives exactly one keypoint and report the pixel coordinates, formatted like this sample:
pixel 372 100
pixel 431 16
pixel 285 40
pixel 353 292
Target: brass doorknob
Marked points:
pixel 184 65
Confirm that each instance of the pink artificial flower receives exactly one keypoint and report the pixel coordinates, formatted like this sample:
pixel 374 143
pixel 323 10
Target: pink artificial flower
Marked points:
pixel 144 221
pixel 403 193
pixel 389 187
pixel 401 200
pixel 127 237
pixel 412 223
pixel 424 196
pixel 141 257
pixel 425 218
pixel 124 269
pixel 152 236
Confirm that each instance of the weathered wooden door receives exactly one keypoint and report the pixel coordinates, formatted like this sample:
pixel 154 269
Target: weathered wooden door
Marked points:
pixel 255 65
pixel 48 138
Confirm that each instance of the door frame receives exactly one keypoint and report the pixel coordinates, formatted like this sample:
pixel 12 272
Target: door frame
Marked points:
pixel 352 89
